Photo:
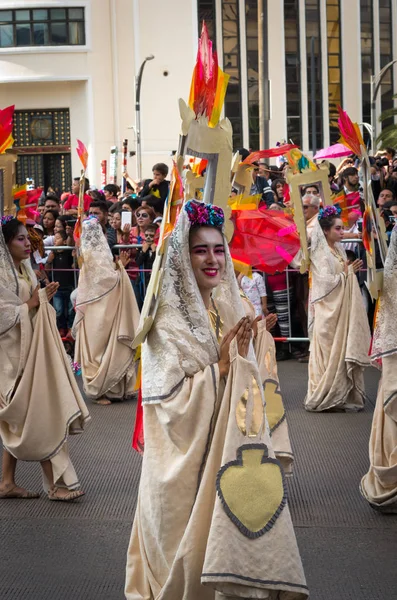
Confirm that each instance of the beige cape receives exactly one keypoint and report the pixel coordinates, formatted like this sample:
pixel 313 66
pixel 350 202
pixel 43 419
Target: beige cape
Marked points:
pixel 379 485
pixel 104 336
pixel 205 528
pixel 40 403
pixel 340 340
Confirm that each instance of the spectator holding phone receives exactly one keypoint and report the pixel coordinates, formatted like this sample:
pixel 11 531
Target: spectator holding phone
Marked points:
pixel 145 256
pixel 60 266
pixel 122 231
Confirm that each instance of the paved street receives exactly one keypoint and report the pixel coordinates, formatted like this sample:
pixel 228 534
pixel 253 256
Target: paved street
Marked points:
pixel 59 551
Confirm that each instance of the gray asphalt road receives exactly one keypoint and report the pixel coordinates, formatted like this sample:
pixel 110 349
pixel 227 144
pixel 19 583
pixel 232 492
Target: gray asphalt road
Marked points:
pixel 58 551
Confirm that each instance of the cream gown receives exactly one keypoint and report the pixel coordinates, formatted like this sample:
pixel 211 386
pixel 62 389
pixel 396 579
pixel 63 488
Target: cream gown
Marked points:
pixel 338 329
pixel 40 403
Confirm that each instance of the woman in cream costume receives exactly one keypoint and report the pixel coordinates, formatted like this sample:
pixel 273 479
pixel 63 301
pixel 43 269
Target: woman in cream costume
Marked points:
pixel 212 520
pixel 338 325
pixel 40 403
pixel 107 316
pixel 379 485
pixel 265 352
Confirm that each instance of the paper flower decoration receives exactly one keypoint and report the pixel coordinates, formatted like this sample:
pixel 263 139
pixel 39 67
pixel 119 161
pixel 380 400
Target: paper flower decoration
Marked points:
pixel 6 123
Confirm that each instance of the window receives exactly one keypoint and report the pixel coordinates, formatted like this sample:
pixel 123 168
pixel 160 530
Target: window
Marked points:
pixel 42 27
pixel 293 71
pixel 314 75
pixel 386 56
pixel 231 66
pixel 367 59
pixel 334 66
pixel 251 18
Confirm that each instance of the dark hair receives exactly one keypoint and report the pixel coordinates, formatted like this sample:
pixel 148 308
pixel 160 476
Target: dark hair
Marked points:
pixel 161 168
pixel 10 230
pixel 152 226
pixel 132 202
pixel 275 183
pixel 128 186
pixel 54 213
pixel 96 195
pixel 101 204
pixel 64 220
pixel 52 196
pixel 116 207
pixel 349 172
pixel 112 189
pixel 327 222
pixel 63 234
pixel 86 182
pixel 390 151
pixel 311 185
pixel 390 189
pixel 331 169
pixel 244 153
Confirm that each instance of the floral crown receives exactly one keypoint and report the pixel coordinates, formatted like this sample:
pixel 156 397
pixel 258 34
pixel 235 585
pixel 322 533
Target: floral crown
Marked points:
pixel 204 214
pixel 6 219
pixel 329 211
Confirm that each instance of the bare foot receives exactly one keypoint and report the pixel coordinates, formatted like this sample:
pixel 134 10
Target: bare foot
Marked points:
pixel 10 490
pixel 102 402
pixel 63 494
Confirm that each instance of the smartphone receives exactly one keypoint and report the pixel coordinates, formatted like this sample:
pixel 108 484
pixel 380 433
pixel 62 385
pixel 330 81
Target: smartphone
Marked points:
pixel 360 225
pixel 126 218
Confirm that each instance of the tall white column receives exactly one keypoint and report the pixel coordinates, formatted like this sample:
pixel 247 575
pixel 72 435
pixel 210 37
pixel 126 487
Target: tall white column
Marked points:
pixel 278 93
pixel 351 59
pixel 303 76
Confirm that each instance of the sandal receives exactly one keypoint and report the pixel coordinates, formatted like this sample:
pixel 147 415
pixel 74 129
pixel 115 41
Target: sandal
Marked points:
pixel 16 492
pixel 73 495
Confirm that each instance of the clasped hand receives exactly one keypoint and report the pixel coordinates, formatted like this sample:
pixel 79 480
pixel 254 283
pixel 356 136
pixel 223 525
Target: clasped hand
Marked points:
pixel 243 333
pixel 50 289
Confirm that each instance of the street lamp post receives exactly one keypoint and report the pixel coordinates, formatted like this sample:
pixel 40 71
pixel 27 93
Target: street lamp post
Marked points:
pixel 376 81
pixel 138 84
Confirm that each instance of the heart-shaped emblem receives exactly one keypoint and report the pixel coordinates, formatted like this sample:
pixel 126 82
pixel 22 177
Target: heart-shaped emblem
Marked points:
pixel 252 490
pixel 275 411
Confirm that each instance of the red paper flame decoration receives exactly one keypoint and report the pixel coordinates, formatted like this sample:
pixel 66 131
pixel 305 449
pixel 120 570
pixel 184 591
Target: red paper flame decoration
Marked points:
pixel 205 76
pixel 6 124
pixel 82 153
pixel 270 153
pixel 350 133
pixel 256 240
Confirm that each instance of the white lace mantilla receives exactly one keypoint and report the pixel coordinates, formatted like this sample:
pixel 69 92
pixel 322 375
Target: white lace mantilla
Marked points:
pixel 325 274
pixel 98 274
pixel 385 334
pixel 181 341
pixel 9 287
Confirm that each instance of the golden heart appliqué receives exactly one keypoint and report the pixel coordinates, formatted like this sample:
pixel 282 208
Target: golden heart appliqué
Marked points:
pixel 252 490
pixel 275 411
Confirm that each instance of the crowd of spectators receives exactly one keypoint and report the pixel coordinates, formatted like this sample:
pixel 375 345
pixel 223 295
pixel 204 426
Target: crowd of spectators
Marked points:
pixel 132 218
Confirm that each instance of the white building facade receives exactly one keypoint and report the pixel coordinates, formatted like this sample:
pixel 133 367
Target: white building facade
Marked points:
pixel 69 66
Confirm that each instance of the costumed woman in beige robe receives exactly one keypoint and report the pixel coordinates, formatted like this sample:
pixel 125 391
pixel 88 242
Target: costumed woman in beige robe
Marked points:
pixel 379 485
pixel 40 403
pixel 212 520
pixel 265 352
pixel 107 317
pixel 338 325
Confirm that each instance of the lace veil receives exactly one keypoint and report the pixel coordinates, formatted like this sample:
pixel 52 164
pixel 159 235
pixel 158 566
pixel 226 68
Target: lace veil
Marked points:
pixel 181 341
pixel 385 333
pixel 325 276
pixel 98 275
pixel 9 287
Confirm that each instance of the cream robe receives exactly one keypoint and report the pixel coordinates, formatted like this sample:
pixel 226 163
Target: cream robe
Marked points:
pixel 265 352
pixel 104 339
pixel 339 347
pixel 187 543
pixel 379 485
pixel 40 403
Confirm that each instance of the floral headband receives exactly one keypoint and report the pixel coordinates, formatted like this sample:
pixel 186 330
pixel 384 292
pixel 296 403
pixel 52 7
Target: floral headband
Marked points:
pixel 329 211
pixel 6 219
pixel 204 214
